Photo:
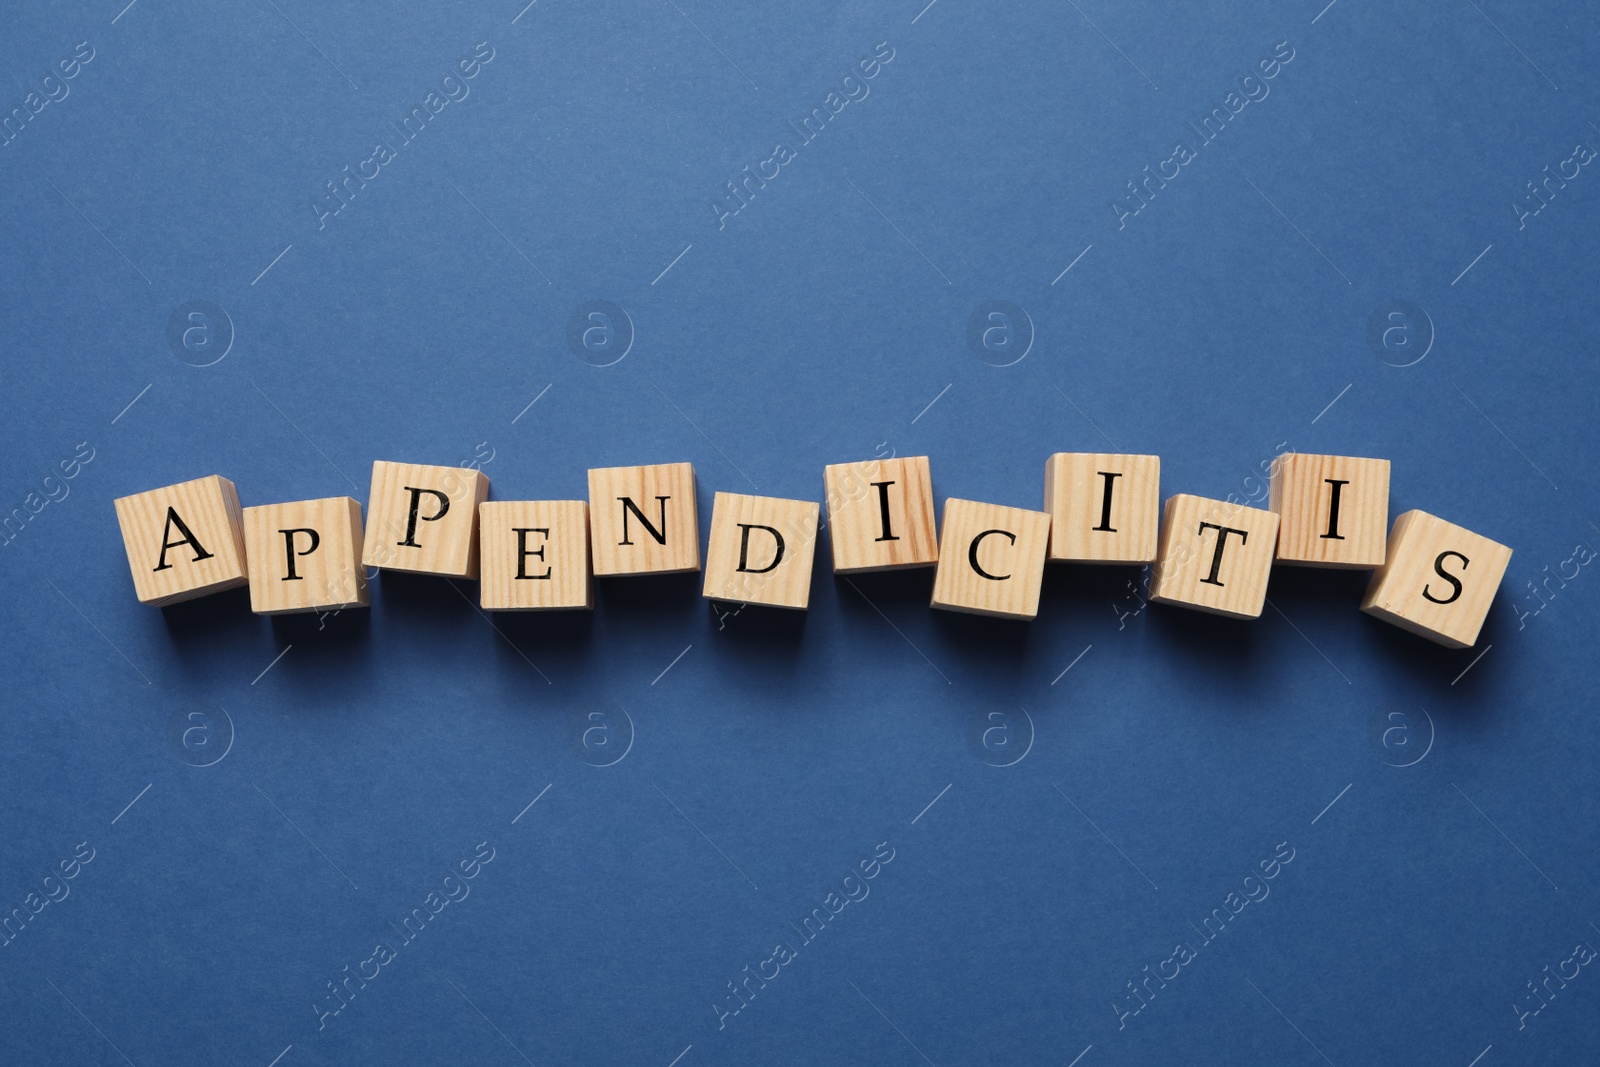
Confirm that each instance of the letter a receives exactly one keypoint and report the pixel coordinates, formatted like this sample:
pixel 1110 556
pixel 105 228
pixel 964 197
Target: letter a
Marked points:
pixel 188 538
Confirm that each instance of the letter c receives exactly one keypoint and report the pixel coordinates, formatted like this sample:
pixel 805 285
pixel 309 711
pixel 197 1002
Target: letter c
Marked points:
pixel 972 553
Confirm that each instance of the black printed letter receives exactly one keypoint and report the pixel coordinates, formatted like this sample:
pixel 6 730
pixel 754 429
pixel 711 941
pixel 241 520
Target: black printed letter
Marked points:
pixel 628 505
pixel 187 539
pixel 744 548
pixel 411 520
pixel 289 552
pixel 1438 568
pixel 972 553
pixel 1222 542
pixel 1333 533
pixel 883 510
pixel 523 551
pixel 1105 503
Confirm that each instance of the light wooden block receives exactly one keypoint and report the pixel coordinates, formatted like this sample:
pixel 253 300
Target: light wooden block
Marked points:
pixel 534 555
pixel 1214 556
pixel 305 556
pixel 880 515
pixel 761 550
pixel 183 541
pixel 643 520
pixel 991 559
pixel 1333 511
pixel 424 519
pixel 1104 508
pixel 1439 579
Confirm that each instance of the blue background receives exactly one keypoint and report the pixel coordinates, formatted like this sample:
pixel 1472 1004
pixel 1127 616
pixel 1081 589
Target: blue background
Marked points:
pixel 705 778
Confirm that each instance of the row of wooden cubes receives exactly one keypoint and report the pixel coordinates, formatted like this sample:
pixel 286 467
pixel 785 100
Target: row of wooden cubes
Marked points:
pixel 1429 576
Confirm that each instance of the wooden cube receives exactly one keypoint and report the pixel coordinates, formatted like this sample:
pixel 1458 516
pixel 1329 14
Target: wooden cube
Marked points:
pixel 1215 556
pixel 183 541
pixel 880 515
pixel 534 555
pixel 424 519
pixel 1438 581
pixel 1333 511
pixel 761 550
pixel 643 520
pixel 991 559
pixel 1104 508
pixel 305 556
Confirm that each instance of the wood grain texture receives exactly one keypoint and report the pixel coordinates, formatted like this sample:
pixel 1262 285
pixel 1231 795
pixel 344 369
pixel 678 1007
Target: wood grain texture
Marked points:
pixel 1081 528
pixel 621 542
pixel 214 561
pixel 1201 567
pixel 856 506
pixel 1303 499
pixel 991 559
pixel 761 550
pixel 548 570
pixel 324 572
pixel 445 544
pixel 1432 560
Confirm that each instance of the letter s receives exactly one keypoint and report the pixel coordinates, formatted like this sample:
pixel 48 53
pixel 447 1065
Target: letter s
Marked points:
pixel 78 852
pixel 80 54
pixel 478 851
pixel 1438 568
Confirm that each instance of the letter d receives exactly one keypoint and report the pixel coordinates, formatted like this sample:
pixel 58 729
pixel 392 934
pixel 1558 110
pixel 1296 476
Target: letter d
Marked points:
pixel 744 548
